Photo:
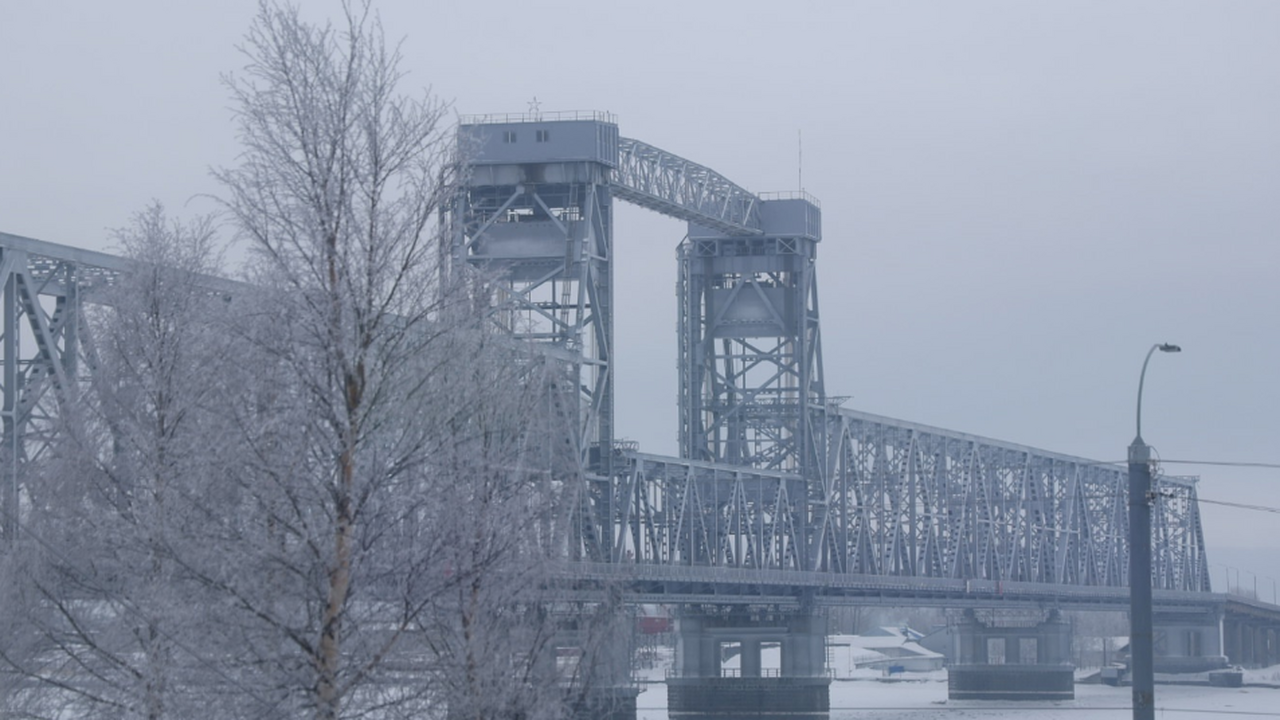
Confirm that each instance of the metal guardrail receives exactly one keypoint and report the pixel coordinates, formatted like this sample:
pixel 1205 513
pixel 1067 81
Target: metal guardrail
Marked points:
pixel 765 673
pixel 790 195
pixel 531 117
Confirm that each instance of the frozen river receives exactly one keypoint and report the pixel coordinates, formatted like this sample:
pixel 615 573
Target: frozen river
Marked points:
pixel 874 700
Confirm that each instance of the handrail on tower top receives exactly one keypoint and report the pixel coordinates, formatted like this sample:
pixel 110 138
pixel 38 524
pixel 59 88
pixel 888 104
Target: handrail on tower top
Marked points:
pixel 790 195
pixel 531 117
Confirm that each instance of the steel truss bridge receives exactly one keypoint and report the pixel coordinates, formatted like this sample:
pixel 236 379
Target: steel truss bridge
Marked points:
pixel 780 495
pixel 778 487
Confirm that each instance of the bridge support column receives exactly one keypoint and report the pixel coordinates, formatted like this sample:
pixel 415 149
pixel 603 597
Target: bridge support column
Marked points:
pixel 1188 642
pixel 1261 645
pixel 726 665
pixel 804 647
pixel 1231 641
pixel 751 657
pixel 1248 635
pixel 1011 659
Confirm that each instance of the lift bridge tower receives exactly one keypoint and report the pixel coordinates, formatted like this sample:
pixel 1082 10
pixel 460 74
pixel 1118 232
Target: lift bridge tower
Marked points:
pixel 750 351
pixel 535 216
pixel 751 385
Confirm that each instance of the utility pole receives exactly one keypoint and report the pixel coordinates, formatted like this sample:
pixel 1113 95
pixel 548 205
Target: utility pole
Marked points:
pixel 1141 651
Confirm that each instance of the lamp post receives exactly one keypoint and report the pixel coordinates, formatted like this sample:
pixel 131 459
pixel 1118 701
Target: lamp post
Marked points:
pixel 1141 653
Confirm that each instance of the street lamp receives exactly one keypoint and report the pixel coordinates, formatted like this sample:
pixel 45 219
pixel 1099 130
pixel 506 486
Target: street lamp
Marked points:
pixel 1141 653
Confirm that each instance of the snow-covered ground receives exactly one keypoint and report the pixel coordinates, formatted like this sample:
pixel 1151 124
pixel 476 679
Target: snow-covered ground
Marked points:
pixel 870 696
pixel 875 700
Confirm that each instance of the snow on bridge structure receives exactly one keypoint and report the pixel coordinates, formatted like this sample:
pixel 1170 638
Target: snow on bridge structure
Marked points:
pixel 781 498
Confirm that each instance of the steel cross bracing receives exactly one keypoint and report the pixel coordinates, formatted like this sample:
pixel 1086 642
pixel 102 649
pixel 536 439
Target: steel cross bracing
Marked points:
pixel 39 337
pixel 533 215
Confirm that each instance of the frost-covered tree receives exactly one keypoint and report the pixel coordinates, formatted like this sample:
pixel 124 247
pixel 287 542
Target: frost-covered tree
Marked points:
pixel 491 637
pixel 336 491
pixel 101 610
pixel 394 474
pixel 339 181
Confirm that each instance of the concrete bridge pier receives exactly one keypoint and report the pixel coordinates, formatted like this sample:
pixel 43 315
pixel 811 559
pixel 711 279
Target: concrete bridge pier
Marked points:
pixel 1251 642
pixel 1263 646
pixel 732 661
pixel 1188 642
pixel 1010 658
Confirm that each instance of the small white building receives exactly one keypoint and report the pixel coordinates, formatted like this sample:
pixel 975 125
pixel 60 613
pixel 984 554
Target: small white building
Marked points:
pixel 880 650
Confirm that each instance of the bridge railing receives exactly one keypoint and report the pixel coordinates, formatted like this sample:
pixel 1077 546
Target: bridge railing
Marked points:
pixel 790 195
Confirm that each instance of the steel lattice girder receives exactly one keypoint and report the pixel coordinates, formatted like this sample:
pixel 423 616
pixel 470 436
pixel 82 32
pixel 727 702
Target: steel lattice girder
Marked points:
pixel 905 501
pixel 42 338
pixel 680 512
pixel 669 184
pixel 912 500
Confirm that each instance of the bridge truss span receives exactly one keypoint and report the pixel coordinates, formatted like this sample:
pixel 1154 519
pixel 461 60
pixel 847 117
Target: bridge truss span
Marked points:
pixel 773 475
pixel 673 512
pixel 903 501
pixel 907 499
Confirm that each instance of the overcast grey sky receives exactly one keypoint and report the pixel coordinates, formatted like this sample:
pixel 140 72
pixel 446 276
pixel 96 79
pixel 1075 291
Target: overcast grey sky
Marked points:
pixel 1019 197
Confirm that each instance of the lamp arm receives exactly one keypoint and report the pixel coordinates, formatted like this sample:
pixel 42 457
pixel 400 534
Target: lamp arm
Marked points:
pixel 1141 379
